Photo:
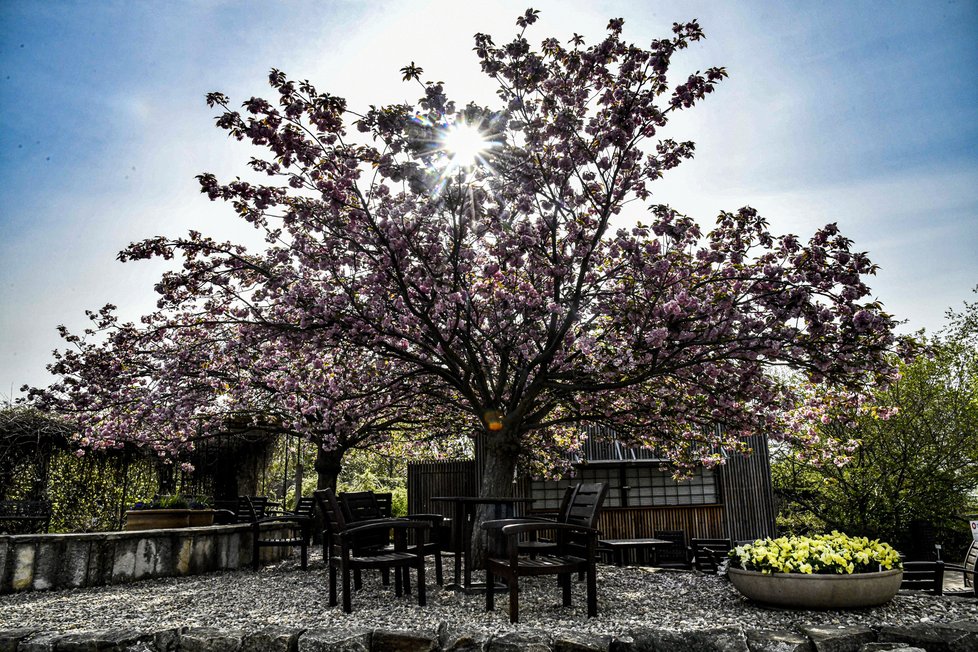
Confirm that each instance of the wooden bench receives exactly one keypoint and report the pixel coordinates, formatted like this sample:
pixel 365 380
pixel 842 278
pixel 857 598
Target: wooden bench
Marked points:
pixel 24 516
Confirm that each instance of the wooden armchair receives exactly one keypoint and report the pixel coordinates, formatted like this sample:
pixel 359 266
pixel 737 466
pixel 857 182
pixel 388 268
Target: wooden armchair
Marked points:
pixel 923 576
pixel 564 560
pixel 675 555
pixel 708 554
pixel 366 505
pixel 297 524
pixel 345 555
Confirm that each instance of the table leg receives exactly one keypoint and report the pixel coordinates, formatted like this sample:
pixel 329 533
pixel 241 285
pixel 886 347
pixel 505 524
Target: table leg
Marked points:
pixel 460 529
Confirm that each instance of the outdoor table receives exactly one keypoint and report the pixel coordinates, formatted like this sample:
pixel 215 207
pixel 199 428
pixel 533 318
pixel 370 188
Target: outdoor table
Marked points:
pixel 619 547
pixel 503 507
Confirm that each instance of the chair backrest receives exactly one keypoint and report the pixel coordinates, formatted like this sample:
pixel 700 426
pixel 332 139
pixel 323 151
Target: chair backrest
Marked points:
pixel 707 553
pixel 676 553
pixel 305 506
pixel 360 505
pixel 923 576
pixel 585 504
pixel 385 503
pixel 252 508
pixel 333 516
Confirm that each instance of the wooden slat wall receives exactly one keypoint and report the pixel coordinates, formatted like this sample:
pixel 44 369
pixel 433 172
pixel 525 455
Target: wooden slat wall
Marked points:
pixel 641 522
pixel 747 493
pixel 439 478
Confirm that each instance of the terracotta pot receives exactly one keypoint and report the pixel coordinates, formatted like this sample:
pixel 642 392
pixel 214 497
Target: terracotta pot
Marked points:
pixel 818 591
pixel 161 519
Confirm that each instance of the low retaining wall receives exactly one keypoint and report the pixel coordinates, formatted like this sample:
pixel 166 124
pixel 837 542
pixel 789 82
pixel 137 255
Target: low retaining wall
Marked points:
pixel 30 562
pixel 961 636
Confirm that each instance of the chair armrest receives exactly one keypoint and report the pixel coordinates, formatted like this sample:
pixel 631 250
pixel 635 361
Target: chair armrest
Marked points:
pixel 383 524
pixel 504 522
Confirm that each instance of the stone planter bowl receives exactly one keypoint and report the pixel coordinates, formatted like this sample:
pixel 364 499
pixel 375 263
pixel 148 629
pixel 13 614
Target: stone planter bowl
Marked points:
pixel 818 591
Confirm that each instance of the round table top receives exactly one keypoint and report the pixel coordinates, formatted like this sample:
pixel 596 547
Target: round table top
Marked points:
pixel 482 500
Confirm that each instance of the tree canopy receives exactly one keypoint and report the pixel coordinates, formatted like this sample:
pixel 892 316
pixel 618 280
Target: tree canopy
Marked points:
pixel 485 268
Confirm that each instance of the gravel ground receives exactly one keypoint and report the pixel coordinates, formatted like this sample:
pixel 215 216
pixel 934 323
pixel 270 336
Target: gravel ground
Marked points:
pixel 285 595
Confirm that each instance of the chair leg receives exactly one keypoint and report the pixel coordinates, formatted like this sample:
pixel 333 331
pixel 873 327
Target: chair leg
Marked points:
pixel 385 576
pixel 332 583
pixel 357 579
pixel 347 600
pixel 592 590
pixel 439 579
pixel 514 598
pixel 398 585
pixel 304 555
pixel 490 593
pixel 255 548
pixel 422 596
pixel 564 581
pixel 406 570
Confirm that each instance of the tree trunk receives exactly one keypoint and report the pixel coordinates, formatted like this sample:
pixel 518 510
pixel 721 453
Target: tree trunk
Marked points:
pixel 502 451
pixel 328 466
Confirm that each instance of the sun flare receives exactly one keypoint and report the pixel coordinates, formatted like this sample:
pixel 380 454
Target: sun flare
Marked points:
pixel 465 144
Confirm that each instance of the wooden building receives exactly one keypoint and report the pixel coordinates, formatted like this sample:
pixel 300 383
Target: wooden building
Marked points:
pixel 733 500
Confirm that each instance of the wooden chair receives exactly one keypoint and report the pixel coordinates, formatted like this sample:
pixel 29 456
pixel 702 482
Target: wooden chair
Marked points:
pixel 708 554
pixel 366 505
pixel 536 545
pixel 297 524
pixel 923 576
pixel 563 561
pixel 344 555
pixel 574 549
pixel 675 555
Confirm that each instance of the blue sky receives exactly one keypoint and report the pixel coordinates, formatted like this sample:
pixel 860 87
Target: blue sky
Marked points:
pixel 860 113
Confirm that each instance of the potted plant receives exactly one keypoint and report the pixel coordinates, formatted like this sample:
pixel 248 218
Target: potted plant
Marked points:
pixel 163 512
pixel 826 571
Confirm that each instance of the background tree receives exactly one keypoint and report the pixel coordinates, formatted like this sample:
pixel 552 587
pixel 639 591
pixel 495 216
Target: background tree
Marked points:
pixel 920 463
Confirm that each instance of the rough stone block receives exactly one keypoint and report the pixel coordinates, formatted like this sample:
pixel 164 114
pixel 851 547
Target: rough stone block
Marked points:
pixel 889 647
pixel 23 571
pixel 581 642
pixel 147 563
pixel 202 556
pixel 455 639
pixel 48 558
pixel 75 563
pixel 939 637
pixel 272 639
pixel 335 640
pixel 769 640
pixel 209 639
pixel 721 639
pixel 100 562
pixel 124 565
pixel 167 640
pixel 41 642
pixel 527 640
pixel 11 638
pixel 109 640
pixel 839 639
pixel 403 641
pixel 6 564
pixel 183 555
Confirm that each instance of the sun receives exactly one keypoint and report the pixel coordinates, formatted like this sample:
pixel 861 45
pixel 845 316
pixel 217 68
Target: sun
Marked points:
pixel 465 145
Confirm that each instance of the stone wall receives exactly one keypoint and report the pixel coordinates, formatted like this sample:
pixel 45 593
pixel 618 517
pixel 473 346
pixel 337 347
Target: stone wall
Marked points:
pixel 31 562
pixel 960 637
